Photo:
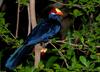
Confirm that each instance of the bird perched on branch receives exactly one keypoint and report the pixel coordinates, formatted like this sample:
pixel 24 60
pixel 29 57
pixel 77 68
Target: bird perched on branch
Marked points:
pixel 41 33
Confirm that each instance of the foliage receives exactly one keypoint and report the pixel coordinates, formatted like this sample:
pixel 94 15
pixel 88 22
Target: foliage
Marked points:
pixel 79 52
pixel 5 34
pixel 6 37
pixel 81 47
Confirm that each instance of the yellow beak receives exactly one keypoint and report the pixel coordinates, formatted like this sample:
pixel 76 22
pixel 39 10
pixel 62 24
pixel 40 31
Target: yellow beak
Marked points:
pixel 58 12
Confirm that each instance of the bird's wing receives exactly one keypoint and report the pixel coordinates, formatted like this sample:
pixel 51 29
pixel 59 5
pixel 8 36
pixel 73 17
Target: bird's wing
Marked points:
pixel 53 30
pixel 37 32
pixel 42 33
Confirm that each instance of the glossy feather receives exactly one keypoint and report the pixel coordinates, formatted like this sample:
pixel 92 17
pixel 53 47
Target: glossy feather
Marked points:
pixel 41 33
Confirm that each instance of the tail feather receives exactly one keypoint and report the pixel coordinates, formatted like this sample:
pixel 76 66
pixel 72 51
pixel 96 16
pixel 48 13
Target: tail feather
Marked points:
pixel 14 59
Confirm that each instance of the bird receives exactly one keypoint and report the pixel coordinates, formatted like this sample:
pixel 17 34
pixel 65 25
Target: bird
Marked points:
pixel 44 31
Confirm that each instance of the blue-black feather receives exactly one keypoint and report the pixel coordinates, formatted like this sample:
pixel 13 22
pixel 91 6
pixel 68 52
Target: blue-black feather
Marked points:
pixel 41 33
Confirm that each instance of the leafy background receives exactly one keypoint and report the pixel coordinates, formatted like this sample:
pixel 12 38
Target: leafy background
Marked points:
pixel 79 52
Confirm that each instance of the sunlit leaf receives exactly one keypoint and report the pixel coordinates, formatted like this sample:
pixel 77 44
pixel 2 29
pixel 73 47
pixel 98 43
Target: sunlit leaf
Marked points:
pixel 76 13
pixel 83 61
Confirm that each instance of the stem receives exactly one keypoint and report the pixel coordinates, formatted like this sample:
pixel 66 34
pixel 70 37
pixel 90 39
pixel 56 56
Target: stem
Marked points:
pixel 60 53
pixel 29 21
pixel 75 45
pixel 17 25
pixel 32 13
pixel 10 32
pixel 38 47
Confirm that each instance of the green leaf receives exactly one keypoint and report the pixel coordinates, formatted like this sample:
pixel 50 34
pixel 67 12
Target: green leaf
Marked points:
pixel 98 18
pixel 77 34
pixel 23 2
pixel 48 70
pixel 28 69
pixel 77 13
pixel 41 65
pixel 82 40
pixel 51 61
pixel 93 56
pixel 92 65
pixel 75 64
pixel 62 70
pixel 64 45
pixel 97 69
pixel 70 53
pixel 2 14
pixel 56 66
pixel 83 61
pixel 97 1
pixel 83 1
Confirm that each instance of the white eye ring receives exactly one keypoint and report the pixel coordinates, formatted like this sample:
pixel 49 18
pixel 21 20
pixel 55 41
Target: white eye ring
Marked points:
pixel 53 13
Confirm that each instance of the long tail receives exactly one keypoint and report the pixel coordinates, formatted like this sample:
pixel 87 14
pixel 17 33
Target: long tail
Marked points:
pixel 14 59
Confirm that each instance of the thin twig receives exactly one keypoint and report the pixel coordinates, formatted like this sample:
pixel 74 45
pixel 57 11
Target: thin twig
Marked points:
pixel 97 46
pixel 29 21
pixel 60 53
pixel 17 25
pixel 75 45
pixel 90 22
pixel 63 4
pixel 10 32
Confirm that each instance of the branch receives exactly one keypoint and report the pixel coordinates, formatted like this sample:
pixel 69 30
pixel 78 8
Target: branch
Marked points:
pixel 10 33
pixel 32 13
pixel 75 45
pixel 38 47
pixel 61 54
pixel 29 20
pixel 17 25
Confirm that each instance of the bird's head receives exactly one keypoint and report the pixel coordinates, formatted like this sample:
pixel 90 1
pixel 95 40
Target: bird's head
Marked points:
pixel 55 14
pixel 56 11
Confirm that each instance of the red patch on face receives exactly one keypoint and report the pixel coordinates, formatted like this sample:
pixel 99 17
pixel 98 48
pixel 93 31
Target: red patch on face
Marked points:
pixel 56 11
